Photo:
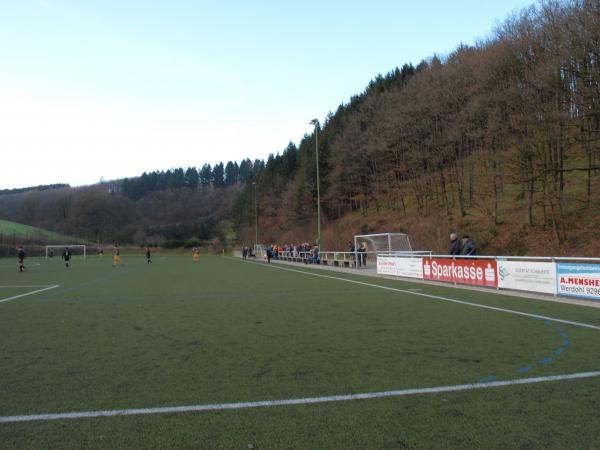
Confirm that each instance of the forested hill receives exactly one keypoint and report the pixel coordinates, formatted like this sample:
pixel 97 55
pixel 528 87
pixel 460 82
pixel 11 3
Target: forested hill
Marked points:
pixel 499 140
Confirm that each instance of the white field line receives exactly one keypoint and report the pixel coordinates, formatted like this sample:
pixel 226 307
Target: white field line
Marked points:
pixel 437 297
pixel 25 286
pixel 28 293
pixel 294 401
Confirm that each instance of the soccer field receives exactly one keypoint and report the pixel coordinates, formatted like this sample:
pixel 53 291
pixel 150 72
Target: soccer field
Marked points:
pixel 212 342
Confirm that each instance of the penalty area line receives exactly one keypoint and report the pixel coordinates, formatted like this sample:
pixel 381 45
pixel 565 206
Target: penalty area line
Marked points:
pixel 296 401
pixel 28 293
pixel 438 297
pixel 7 286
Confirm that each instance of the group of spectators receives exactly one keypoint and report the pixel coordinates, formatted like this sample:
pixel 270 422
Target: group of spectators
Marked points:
pixel 464 246
pixel 247 253
pixel 361 251
pixel 309 253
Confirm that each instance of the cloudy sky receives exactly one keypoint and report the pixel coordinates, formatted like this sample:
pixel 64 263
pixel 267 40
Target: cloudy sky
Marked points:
pixel 114 88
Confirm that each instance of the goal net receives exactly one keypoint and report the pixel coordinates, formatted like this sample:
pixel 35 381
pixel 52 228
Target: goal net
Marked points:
pixel 57 250
pixel 384 243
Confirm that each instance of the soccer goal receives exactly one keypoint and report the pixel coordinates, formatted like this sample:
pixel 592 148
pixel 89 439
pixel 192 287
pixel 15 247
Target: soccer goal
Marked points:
pixel 384 243
pixel 57 250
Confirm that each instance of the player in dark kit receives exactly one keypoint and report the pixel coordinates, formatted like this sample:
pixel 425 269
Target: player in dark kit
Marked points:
pixel 21 258
pixel 148 257
pixel 66 256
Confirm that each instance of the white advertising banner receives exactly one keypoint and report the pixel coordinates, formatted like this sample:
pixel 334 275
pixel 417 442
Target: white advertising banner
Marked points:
pixel 527 276
pixel 400 267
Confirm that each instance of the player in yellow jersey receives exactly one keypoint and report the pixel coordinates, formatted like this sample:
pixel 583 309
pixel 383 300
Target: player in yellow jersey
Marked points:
pixel 195 254
pixel 116 256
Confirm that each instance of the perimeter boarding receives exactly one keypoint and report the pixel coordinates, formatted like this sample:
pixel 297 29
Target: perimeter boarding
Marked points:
pixel 569 277
pixel 557 276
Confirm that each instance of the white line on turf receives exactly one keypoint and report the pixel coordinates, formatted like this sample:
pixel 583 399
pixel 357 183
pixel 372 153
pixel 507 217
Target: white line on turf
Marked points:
pixel 293 401
pixel 437 297
pixel 25 286
pixel 28 293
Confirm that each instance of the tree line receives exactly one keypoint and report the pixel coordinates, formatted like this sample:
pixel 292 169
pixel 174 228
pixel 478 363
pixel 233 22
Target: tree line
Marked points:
pixel 221 175
pixel 507 129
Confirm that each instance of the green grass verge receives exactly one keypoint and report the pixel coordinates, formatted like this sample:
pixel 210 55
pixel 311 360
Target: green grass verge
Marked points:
pixel 221 330
pixel 29 232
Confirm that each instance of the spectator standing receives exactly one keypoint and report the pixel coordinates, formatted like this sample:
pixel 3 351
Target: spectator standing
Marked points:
pixel 454 245
pixel 468 246
pixel 362 255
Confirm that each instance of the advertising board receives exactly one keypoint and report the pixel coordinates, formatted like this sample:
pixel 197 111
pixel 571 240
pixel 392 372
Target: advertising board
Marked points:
pixel 476 272
pixel 527 276
pixel 578 280
pixel 400 267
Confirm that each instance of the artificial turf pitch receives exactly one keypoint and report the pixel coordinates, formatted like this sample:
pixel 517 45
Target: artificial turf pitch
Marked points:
pixel 222 330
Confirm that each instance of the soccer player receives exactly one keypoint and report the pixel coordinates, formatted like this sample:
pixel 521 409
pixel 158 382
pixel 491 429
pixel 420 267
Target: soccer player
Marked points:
pixel 148 257
pixel 116 256
pixel 21 258
pixel 195 254
pixel 66 256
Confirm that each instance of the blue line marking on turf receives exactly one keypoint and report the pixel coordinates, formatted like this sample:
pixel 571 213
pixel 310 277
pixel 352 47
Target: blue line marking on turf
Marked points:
pixel 487 379
pixel 546 360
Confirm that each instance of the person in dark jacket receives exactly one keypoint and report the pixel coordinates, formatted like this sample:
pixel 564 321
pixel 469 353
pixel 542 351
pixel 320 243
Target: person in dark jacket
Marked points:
pixel 21 258
pixel 269 254
pixel 454 245
pixel 468 247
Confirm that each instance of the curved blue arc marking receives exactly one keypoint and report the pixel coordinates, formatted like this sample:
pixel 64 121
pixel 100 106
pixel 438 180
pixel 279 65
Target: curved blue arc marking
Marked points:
pixel 566 343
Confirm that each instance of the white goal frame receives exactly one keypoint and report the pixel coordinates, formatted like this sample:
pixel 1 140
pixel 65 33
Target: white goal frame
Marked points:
pixel 387 237
pixel 48 247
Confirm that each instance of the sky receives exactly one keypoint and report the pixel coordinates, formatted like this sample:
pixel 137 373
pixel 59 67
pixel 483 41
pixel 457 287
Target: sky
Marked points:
pixel 110 89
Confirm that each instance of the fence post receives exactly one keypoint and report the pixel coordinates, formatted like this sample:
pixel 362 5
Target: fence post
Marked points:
pixel 555 276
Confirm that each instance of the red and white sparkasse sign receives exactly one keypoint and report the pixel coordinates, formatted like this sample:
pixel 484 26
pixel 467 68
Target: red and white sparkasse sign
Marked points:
pixel 478 272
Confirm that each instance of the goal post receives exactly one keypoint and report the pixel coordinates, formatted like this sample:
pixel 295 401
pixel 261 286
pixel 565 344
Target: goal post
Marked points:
pixel 384 242
pixel 56 250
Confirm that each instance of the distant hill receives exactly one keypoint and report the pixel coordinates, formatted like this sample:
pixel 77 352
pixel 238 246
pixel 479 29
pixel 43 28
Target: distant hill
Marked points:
pixel 41 187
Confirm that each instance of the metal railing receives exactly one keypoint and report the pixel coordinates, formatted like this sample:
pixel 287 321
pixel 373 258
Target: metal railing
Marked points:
pixel 519 258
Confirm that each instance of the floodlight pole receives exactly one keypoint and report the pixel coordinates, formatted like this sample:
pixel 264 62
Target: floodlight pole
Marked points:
pixel 315 123
pixel 255 219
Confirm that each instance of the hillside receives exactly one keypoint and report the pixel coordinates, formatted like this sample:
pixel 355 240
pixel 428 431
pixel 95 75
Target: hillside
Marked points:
pixel 500 141
pixel 13 230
